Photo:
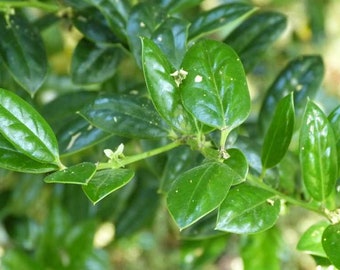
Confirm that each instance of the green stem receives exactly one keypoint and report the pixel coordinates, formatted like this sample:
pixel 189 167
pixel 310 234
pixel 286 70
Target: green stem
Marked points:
pixel 131 159
pixel 33 4
pixel 258 182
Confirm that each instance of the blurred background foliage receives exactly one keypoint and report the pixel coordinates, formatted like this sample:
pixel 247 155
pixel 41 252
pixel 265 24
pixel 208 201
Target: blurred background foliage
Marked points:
pixel 131 229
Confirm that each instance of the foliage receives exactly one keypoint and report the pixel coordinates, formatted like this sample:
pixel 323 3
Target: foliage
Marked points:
pixel 155 112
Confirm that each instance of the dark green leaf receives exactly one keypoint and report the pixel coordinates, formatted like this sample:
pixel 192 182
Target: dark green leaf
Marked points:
pixel 77 135
pixel 143 21
pixel 253 37
pixel 126 116
pixel 238 163
pixel 248 209
pixel 334 119
pixel 163 88
pixel 279 134
pixel 311 240
pixel 171 38
pixel 228 16
pixel 199 191
pixel 115 13
pixel 105 182
pixel 174 6
pixel 302 76
pixel 23 52
pixel 79 174
pixel 14 160
pixel 318 153
pixel 331 243
pixel 93 25
pixel 215 89
pixel 93 63
pixel 26 130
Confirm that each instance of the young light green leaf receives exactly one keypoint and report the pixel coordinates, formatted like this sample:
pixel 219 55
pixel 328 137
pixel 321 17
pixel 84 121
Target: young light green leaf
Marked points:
pixel 215 88
pixel 78 174
pixel 302 76
pixel 23 52
pixel 334 119
pixel 127 116
pixel 162 84
pixel 252 38
pixel 228 16
pixel 26 130
pixel 331 243
pixel 105 182
pixel 247 209
pixel 279 134
pixel 14 160
pixel 318 154
pixel 199 191
pixel 311 240
pixel 93 63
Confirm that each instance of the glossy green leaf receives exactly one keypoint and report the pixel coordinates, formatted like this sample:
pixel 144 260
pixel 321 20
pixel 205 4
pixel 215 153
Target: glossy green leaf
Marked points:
pixel 215 88
pixel 78 174
pixel 173 6
pixel 94 63
pixel 163 87
pixel 105 182
pixel 93 25
pixel 77 134
pixel 26 130
pixel 171 38
pixel 303 76
pixel 228 16
pixel 318 153
pixel 238 163
pixel 126 116
pixel 116 14
pixel 334 119
pixel 23 52
pixel 331 243
pixel 14 160
pixel 248 209
pixel 311 240
pixel 253 37
pixel 279 134
pixel 199 191
pixel 143 21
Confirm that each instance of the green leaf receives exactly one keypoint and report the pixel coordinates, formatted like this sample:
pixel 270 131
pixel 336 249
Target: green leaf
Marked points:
pixel 279 134
pixel 248 209
pixel 238 163
pixel 331 243
pixel 228 16
pixel 163 89
pixel 23 52
pixel 143 21
pixel 318 153
pixel 126 116
pixel 105 182
pixel 253 37
pixel 215 89
pixel 174 6
pixel 171 38
pixel 93 25
pixel 199 191
pixel 78 174
pixel 334 119
pixel 94 63
pixel 302 76
pixel 26 130
pixel 16 259
pixel 14 160
pixel 311 240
